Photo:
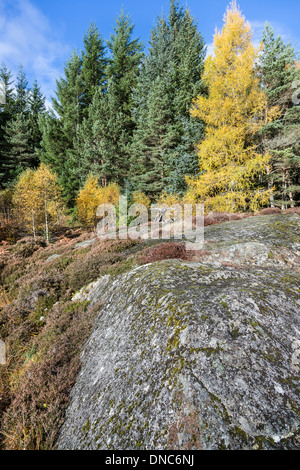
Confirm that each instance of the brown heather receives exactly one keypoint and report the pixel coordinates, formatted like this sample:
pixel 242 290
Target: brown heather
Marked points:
pixel 45 331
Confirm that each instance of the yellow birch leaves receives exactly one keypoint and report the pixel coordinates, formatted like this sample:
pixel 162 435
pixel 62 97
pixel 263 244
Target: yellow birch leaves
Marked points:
pixel 91 197
pixel 37 200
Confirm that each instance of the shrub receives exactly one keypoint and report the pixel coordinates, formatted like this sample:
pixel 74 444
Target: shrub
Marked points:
pixel 91 197
pixel 36 412
pixel 27 246
pixel 139 197
pixel 292 210
pixel 169 199
pixel 218 217
pixel 269 211
pixel 167 250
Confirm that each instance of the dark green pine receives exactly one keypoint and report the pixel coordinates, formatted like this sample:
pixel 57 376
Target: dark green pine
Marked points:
pixel 6 114
pixel 94 64
pixel 60 141
pixel 37 108
pixel 281 137
pixel 169 81
pixel 20 155
pixel 22 92
pixel 106 133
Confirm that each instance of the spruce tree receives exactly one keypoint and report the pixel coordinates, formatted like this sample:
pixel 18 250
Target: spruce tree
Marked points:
pixel 70 97
pixel 94 64
pixel 20 154
pixel 184 160
pixel 22 92
pixel 37 107
pixel 53 147
pixel 190 53
pixel 172 68
pixel 7 108
pixel 94 138
pixel 60 141
pixel 19 122
pixel 281 137
pixel 6 113
pixel 153 139
pixel 122 70
pixel 106 133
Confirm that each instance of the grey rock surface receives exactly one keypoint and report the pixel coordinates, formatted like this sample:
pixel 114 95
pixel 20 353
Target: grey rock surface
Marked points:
pixel 85 244
pixel 194 355
pixel 52 257
pixel 272 240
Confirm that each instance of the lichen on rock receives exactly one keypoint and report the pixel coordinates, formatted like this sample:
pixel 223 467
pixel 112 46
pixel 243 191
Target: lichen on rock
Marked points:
pixel 193 355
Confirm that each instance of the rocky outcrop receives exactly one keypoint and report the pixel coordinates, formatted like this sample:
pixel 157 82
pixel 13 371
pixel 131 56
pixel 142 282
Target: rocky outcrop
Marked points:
pixel 196 355
pixel 272 241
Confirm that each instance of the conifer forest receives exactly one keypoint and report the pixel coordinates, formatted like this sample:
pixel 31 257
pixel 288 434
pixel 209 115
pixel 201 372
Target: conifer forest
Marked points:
pixel 169 123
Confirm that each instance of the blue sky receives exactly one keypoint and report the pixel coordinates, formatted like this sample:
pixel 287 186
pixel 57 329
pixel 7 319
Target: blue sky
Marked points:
pixel 41 34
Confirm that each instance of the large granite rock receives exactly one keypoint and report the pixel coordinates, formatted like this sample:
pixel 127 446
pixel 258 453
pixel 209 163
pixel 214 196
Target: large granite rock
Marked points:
pixel 196 355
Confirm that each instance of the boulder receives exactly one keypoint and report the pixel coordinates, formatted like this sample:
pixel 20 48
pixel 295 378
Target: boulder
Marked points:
pixel 199 354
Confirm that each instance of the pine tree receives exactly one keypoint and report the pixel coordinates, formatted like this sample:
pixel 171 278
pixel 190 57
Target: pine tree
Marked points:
pixel 6 114
pixel 190 52
pixel 37 107
pixel 184 160
pixel 94 64
pixel 7 109
pixel 22 92
pixel 94 138
pixel 20 154
pixel 122 70
pixel 281 137
pixel 60 141
pixel 54 145
pixel 233 113
pixel 106 133
pixel 173 68
pixel 152 142
pixel 70 96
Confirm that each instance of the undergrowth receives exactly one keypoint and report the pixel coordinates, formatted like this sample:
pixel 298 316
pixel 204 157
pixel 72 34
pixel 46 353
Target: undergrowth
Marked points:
pixel 44 330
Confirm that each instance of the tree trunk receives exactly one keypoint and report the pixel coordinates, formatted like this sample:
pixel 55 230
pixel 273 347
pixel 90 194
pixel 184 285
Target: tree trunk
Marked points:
pixel 270 186
pixel 284 188
pixel 291 195
pixel 46 222
pixel 33 227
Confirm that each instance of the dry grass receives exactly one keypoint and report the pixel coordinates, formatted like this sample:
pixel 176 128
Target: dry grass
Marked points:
pixel 269 211
pixel 219 217
pixel 44 331
pixel 292 210
pixel 41 385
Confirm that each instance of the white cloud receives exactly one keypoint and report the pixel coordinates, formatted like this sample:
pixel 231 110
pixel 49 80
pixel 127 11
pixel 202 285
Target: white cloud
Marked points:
pixel 257 28
pixel 279 30
pixel 210 49
pixel 27 38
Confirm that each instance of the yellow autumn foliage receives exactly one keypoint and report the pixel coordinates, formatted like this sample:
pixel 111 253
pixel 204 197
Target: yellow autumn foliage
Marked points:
pixel 233 112
pixel 169 199
pixel 92 196
pixel 37 200
pixel 138 197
